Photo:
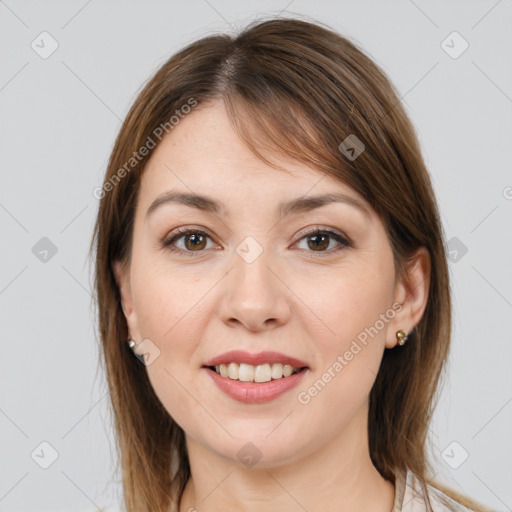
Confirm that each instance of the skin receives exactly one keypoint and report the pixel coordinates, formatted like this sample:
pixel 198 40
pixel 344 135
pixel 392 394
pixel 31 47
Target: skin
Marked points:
pixel 305 302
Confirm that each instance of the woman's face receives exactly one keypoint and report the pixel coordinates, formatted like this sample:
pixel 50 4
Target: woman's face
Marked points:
pixel 254 277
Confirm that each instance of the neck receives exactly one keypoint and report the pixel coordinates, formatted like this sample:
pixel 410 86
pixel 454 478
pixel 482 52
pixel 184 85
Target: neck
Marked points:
pixel 338 476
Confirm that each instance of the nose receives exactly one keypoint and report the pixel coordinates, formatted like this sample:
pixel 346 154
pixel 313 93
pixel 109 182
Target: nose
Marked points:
pixel 254 296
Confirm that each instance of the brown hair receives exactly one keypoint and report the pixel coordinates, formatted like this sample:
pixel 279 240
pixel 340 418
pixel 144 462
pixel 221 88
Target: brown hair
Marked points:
pixel 298 88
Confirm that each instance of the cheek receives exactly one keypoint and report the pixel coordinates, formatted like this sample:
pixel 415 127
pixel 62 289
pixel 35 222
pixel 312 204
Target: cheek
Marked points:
pixel 357 308
pixel 354 302
pixel 171 312
pixel 167 304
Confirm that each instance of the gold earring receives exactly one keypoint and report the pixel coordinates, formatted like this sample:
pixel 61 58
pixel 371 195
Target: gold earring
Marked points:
pixel 401 337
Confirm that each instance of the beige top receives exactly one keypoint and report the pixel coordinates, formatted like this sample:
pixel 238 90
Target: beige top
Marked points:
pixel 409 497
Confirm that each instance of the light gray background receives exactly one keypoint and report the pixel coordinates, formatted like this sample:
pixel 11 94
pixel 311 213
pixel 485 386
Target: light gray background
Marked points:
pixel 59 118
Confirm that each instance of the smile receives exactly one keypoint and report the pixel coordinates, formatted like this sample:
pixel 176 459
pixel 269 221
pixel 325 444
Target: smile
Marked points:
pixel 255 378
pixel 250 373
pixel 251 392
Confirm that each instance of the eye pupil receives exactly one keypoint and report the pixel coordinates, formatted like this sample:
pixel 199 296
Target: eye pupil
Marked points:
pixel 323 244
pixel 196 242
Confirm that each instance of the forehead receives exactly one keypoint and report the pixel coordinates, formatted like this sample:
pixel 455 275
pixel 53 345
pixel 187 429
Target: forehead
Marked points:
pixel 204 154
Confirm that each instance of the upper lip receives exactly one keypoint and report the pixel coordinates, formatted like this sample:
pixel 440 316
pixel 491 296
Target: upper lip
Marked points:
pixel 239 356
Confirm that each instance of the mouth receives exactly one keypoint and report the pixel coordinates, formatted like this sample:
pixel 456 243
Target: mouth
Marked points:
pixel 255 378
pixel 265 372
pixel 261 367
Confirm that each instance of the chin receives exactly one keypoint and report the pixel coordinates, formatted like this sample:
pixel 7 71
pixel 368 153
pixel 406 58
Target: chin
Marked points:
pixel 257 451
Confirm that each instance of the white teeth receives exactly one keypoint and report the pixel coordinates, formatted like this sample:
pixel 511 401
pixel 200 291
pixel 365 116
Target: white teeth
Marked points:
pixel 246 373
pixel 277 371
pixel 233 370
pixel 261 373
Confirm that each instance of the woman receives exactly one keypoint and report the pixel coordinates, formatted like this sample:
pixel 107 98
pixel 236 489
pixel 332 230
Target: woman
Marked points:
pixel 269 247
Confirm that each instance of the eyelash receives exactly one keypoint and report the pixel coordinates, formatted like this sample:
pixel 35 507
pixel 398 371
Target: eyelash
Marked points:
pixel 182 232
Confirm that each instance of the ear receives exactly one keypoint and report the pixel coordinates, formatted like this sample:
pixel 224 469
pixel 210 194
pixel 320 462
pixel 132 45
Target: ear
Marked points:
pixel 411 292
pixel 122 276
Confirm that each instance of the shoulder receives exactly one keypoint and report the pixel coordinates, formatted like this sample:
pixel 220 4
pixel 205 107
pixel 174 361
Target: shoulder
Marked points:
pixel 413 498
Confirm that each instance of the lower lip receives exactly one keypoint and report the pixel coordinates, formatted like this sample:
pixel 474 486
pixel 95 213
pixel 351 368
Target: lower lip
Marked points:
pixel 255 392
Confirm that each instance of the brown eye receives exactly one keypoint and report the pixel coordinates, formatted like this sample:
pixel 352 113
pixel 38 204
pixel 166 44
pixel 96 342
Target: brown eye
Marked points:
pixel 318 241
pixel 187 241
pixel 195 241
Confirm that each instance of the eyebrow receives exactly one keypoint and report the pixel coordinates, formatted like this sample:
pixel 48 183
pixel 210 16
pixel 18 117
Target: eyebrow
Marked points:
pixel 294 206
